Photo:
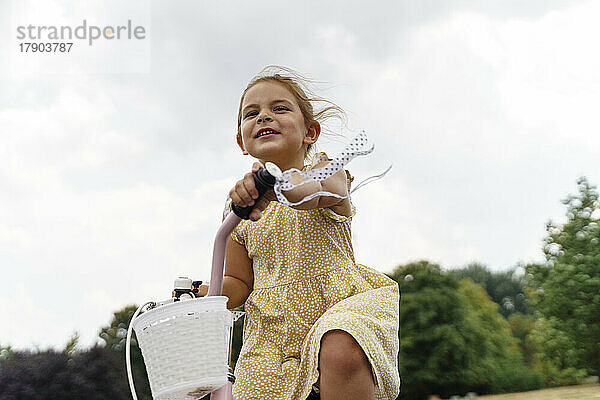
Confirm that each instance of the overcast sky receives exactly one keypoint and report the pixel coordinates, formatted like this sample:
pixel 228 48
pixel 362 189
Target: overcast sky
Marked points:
pixel 112 184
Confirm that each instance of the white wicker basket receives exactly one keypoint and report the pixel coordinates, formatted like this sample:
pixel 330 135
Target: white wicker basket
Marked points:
pixel 185 347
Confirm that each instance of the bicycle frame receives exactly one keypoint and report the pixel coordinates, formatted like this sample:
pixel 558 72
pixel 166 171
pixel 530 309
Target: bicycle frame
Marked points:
pixel 216 287
pixel 264 179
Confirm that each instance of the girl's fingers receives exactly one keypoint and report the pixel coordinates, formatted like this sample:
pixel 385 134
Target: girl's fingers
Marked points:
pixel 245 193
pixel 240 195
pixel 235 198
pixel 256 166
pixel 262 204
pixel 250 186
pixel 255 215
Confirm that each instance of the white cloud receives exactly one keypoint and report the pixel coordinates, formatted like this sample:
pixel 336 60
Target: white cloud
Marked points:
pixel 542 70
pixel 496 116
pixel 26 320
pixel 106 249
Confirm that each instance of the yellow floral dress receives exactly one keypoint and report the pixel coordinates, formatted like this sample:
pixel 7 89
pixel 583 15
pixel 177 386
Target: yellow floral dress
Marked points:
pixel 306 282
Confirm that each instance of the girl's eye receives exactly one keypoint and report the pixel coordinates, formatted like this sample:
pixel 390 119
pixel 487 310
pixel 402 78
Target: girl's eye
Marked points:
pixel 276 108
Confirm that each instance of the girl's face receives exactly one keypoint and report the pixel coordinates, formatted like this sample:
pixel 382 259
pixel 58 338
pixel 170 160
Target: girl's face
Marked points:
pixel 272 127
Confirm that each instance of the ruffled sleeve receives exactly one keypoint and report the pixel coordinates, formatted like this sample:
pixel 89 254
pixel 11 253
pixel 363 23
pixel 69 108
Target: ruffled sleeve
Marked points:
pixel 329 213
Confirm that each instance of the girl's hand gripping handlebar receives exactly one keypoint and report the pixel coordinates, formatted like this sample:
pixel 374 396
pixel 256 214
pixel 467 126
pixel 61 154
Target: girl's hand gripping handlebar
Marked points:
pixel 264 180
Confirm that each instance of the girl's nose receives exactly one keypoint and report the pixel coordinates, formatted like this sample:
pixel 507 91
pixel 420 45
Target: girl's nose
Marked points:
pixel 264 117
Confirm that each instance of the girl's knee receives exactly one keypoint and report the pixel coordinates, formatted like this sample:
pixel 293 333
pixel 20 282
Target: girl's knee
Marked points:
pixel 341 353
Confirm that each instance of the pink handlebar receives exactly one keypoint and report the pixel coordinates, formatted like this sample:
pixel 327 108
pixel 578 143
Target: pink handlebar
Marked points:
pixel 264 179
pixel 218 262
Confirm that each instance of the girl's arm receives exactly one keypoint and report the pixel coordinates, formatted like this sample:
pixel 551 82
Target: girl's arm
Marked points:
pixel 334 184
pixel 238 279
pixel 244 193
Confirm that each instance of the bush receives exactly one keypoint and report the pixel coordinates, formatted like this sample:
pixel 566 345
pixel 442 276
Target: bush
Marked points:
pixel 452 338
pixel 516 377
pixel 565 377
pixel 96 374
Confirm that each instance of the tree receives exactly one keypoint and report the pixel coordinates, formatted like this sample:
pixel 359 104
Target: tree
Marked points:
pixel 115 338
pixel 505 288
pixel 103 374
pixel 36 376
pixel 5 352
pixel 452 339
pixel 566 290
pixel 499 351
pixel 522 327
pixel 96 374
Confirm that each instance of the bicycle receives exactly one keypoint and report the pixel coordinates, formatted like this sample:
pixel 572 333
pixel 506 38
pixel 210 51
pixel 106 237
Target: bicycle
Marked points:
pixel 175 334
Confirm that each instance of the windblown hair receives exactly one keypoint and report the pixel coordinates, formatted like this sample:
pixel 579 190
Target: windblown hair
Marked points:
pixel 313 107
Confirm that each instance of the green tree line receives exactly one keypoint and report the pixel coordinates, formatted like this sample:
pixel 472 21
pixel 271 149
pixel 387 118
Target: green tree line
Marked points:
pixel 461 330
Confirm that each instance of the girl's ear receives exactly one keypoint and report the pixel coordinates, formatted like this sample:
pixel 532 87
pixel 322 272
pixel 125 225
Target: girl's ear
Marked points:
pixel 313 132
pixel 240 143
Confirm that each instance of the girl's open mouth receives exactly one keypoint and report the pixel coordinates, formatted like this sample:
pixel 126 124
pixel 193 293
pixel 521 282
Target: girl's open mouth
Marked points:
pixel 266 133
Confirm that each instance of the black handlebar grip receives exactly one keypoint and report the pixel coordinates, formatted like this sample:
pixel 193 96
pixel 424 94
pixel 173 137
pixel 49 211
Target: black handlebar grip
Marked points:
pixel 264 181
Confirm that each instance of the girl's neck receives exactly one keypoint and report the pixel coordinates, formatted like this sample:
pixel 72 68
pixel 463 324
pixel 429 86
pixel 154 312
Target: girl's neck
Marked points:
pixel 284 165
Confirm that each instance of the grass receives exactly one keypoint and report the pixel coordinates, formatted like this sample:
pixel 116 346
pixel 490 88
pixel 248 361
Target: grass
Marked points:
pixel 580 392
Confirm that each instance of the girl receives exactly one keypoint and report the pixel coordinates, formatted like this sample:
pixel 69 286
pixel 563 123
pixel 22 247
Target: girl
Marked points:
pixel 315 320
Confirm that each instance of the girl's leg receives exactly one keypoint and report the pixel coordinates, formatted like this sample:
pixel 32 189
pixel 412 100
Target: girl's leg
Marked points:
pixel 345 371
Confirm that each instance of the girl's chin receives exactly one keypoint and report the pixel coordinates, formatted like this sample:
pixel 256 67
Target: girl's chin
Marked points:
pixel 276 159
pixel 275 154
pixel 268 152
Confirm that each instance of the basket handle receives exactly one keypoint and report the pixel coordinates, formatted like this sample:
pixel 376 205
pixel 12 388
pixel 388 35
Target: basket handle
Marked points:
pixel 128 350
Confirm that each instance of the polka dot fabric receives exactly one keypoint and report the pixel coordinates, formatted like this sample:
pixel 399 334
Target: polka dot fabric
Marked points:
pixel 359 146
pixel 306 282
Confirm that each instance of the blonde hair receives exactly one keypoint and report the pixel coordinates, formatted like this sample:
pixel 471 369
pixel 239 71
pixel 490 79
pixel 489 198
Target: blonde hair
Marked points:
pixel 299 86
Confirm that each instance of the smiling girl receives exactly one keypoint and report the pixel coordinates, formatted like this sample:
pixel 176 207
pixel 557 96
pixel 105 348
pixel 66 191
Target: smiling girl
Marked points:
pixel 316 321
